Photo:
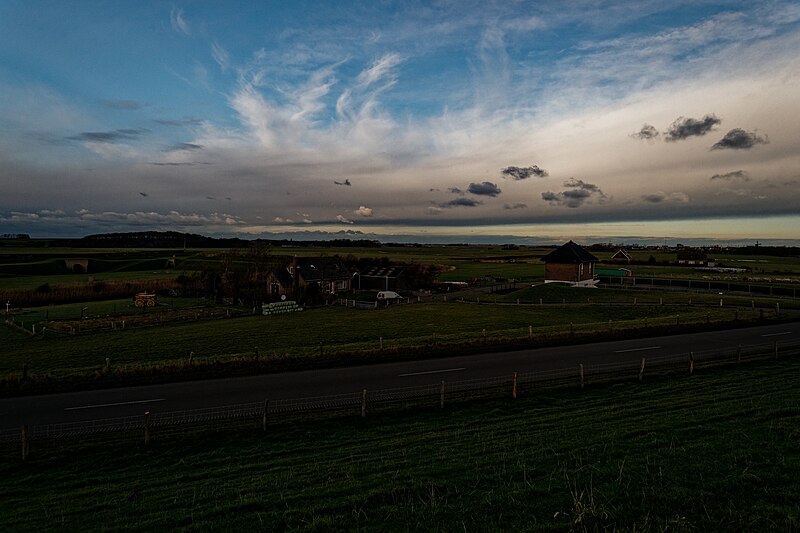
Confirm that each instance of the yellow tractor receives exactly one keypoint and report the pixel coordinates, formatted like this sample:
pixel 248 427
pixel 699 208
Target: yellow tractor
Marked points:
pixel 144 299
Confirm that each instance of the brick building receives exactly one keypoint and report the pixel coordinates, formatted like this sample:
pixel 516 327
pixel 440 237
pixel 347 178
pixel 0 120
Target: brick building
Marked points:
pixel 570 263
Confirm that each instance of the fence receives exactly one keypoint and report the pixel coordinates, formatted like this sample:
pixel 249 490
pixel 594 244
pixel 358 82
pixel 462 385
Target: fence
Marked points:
pixel 701 285
pixel 579 375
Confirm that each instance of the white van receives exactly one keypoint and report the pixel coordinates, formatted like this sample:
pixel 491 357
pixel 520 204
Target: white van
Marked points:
pixel 388 295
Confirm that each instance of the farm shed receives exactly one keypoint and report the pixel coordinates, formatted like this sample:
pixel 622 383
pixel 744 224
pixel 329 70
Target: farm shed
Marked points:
pixel 621 256
pixel 380 279
pixel 570 263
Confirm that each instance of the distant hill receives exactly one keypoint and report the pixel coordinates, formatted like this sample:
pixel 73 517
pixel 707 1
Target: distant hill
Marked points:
pixel 176 239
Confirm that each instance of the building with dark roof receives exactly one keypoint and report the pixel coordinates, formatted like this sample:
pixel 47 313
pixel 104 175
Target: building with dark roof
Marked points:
pixel 327 273
pixel 570 263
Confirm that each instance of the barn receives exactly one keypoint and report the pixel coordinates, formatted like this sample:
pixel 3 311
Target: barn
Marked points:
pixel 570 263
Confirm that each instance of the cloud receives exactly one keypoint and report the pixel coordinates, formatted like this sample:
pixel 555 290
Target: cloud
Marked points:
pixel 281 220
pixel 648 132
pixel 381 68
pixel 454 190
pixel 185 147
pixel 683 128
pixel 739 139
pixel 578 193
pixel 735 175
pixel 346 182
pixel 522 173
pixel 460 202
pixel 484 189
pixel 221 56
pixel 363 211
pixel 660 196
pixel 343 219
pixel 179 24
pixel 185 121
pixel 124 105
pixel 514 206
pixel 109 136
pixel 434 210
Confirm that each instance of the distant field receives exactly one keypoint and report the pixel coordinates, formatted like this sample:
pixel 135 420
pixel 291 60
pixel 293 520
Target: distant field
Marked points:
pixel 713 452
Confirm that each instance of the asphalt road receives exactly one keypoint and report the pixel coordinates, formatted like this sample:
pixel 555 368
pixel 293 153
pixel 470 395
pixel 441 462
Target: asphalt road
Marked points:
pixel 127 401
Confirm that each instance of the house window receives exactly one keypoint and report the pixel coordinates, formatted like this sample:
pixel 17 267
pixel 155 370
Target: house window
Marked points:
pixel 276 288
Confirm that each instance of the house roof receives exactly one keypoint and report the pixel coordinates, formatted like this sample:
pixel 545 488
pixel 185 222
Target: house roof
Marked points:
pixel 382 272
pixel 569 253
pixel 321 268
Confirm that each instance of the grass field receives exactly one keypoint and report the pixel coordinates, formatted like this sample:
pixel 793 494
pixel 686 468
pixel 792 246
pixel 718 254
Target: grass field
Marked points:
pixel 338 329
pixel 716 451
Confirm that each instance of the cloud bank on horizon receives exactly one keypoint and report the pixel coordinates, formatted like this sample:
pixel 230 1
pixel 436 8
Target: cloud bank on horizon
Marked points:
pixel 244 119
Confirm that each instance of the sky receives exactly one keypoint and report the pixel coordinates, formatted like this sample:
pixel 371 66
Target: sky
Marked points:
pixel 468 121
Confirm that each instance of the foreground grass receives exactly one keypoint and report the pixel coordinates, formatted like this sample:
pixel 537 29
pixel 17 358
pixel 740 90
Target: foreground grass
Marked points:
pixel 713 452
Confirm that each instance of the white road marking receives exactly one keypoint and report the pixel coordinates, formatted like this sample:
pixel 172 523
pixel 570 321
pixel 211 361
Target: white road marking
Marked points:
pixel 776 334
pixel 430 372
pixel 638 349
pixel 113 404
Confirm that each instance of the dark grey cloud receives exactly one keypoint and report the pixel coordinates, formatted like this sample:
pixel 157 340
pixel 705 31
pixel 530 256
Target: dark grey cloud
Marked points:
pixel 184 147
pixel 683 127
pixel 647 133
pixel 454 190
pixel 484 189
pixel 522 173
pixel 661 196
pixel 109 137
pixel 185 121
pixel 577 193
pixel 735 175
pixel 514 206
pixel 345 183
pixel 461 202
pixel 655 198
pixel 125 105
pixel 739 139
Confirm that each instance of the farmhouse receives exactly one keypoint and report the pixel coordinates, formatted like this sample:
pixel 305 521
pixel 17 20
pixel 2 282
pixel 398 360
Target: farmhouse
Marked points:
pixel 328 274
pixel 570 263
pixel 693 257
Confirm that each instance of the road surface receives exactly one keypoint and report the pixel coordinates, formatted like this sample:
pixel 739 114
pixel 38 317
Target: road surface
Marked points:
pixel 128 401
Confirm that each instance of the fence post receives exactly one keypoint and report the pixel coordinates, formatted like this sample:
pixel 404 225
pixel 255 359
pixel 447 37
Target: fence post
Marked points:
pixel 580 367
pixel 739 354
pixel 264 417
pixel 26 443
pixel 571 329
pixel 530 332
pixel 146 428
pixel 641 369
pixel 441 396
pixel 381 342
pixel 363 403
pixel 108 363
pixel 514 386
pixel 691 363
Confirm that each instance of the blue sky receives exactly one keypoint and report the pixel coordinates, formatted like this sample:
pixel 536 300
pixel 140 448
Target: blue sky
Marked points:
pixel 443 120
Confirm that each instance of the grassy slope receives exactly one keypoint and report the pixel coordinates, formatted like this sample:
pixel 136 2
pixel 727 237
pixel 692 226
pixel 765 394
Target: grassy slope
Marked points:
pixel 714 452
